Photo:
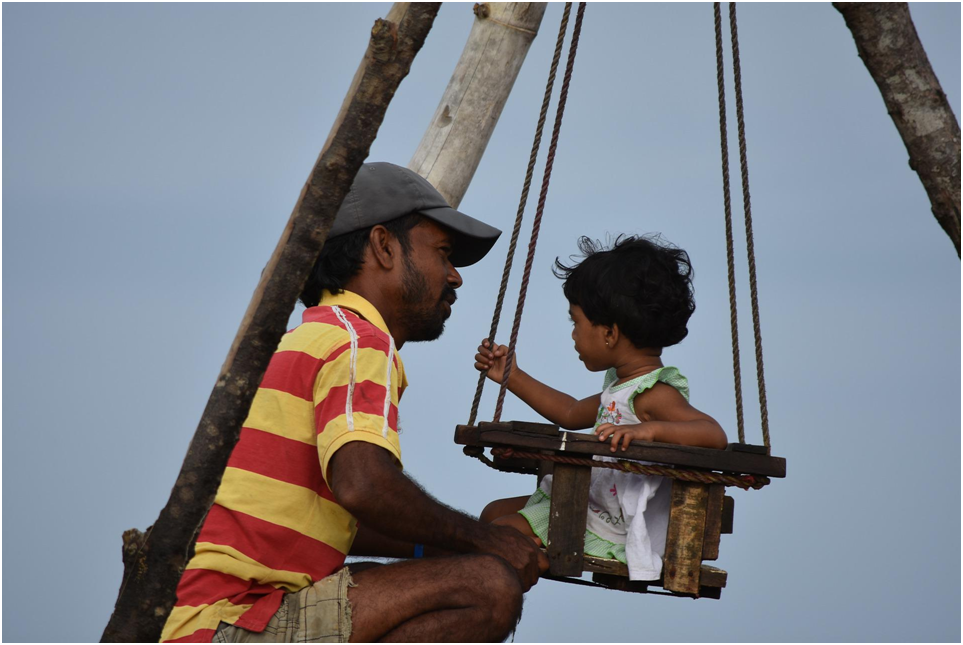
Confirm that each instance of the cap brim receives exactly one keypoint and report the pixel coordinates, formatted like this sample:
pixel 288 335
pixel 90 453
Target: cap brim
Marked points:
pixel 473 239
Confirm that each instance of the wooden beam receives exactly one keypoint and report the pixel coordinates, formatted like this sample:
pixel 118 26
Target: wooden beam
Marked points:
pixel 710 543
pixel 682 563
pixel 509 434
pixel 567 519
pixel 713 581
pixel 709 576
pixel 889 46
pixel 456 138
pixel 728 509
pixel 607 566
pixel 544 468
pixel 148 591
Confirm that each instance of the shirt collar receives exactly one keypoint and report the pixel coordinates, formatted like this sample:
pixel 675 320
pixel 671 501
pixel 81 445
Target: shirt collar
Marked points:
pixel 357 304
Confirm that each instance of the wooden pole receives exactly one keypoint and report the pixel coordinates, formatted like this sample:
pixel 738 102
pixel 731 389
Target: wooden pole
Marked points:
pixel 887 41
pixel 682 562
pixel 154 562
pixel 453 145
pixel 567 518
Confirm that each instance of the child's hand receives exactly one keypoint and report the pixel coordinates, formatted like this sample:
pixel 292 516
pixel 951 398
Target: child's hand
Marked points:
pixel 491 357
pixel 625 434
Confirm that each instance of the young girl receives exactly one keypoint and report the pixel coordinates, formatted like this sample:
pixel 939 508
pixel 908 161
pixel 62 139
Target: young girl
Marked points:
pixel 626 303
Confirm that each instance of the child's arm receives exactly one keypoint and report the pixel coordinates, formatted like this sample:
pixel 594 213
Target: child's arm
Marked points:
pixel 558 407
pixel 668 418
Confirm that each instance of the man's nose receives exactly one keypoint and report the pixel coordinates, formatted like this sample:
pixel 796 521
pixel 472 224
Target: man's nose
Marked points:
pixel 454 278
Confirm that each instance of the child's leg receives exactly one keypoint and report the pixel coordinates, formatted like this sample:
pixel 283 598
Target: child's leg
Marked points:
pixel 519 523
pixel 501 507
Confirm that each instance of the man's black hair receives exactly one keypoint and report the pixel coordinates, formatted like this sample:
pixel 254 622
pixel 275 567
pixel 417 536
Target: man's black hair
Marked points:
pixel 342 257
pixel 641 284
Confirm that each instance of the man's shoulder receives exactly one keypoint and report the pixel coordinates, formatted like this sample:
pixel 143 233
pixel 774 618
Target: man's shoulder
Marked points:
pixel 332 326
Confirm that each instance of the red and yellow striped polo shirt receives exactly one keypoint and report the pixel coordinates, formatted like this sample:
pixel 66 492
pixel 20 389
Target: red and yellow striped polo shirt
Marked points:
pixel 275 527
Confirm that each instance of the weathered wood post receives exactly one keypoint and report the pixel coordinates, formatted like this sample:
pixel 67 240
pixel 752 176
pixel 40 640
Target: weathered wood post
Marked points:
pixel 887 41
pixel 453 145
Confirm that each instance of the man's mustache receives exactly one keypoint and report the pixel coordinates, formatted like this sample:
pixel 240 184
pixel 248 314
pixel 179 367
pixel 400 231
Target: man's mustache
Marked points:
pixel 449 295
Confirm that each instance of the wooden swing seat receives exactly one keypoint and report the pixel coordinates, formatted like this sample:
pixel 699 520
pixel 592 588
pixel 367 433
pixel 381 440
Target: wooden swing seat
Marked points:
pixel 700 512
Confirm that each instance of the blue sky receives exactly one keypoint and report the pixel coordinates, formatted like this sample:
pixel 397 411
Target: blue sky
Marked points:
pixel 153 154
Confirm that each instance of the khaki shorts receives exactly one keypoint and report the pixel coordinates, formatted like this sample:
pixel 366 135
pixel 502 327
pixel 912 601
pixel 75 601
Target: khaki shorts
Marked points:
pixel 316 614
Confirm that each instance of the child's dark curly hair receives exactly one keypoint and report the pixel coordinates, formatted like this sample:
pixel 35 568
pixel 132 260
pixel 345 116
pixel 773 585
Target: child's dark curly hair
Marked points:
pixel 641 284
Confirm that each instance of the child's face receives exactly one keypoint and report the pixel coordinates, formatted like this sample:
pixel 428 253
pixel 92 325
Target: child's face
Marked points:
pixel 589 341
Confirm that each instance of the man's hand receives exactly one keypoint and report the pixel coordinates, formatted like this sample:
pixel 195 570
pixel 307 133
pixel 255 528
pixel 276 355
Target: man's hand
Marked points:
pixel 361 473
pixel 520 551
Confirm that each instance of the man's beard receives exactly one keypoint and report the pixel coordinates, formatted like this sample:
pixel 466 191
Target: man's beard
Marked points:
pixel 424 316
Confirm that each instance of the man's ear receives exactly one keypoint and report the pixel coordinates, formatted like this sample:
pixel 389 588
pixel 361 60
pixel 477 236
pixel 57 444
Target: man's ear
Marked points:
pixel 383 247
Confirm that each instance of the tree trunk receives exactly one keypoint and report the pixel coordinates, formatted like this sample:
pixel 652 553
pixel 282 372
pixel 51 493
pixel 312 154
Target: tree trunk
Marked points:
pixel 154 562
pixel 887 42
pixel 453 145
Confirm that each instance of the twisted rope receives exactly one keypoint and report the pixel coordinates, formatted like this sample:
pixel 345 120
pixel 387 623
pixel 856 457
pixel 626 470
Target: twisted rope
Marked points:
pixel 523 200
pixel 750 246
pixel 537 222
pixel 727 201
pixel 703 477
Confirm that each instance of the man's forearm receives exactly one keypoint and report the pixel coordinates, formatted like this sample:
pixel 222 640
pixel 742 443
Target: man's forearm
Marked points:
pixel 369 542
pixel 366 481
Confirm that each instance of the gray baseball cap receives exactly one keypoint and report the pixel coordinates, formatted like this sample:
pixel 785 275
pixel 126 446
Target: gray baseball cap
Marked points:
pixel 383 191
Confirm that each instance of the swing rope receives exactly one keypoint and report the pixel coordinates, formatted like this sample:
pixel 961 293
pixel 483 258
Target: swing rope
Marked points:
pixel 537 222
pixel 503 288
pixel 750 245
pixel 742 481
pixel 727 205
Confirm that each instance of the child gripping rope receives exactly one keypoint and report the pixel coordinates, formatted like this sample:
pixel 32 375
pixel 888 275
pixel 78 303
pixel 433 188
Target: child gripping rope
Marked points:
pixel 626 304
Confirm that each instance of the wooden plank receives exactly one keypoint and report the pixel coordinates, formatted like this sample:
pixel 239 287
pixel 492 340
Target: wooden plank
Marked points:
pixel 728 506
pixel 567 518
pixel 712 576
pixel 545 468
pixel 468 435
pixel 710 541
pixel 605 565
pixel 502 434
pixel 709 576
pixel 518 466
pixel 620 583
pixel 748 447
pixel 714 580
pixel 683 543
pixel 535 428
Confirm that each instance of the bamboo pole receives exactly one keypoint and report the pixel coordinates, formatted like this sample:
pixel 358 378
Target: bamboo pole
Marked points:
pixel 154 562
pixel 887 41
pixel 453 145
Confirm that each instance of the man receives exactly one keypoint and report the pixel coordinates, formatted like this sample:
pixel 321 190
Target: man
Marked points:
pixel 316 473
